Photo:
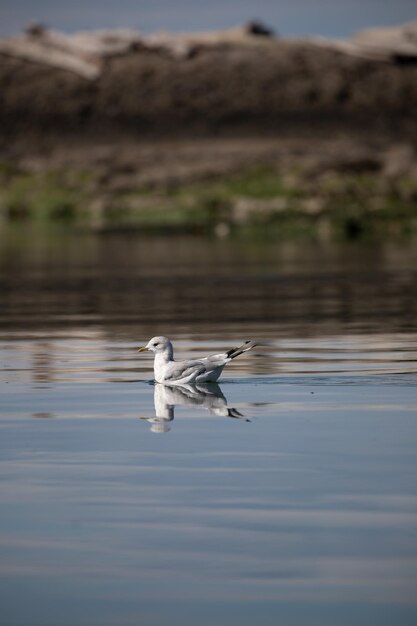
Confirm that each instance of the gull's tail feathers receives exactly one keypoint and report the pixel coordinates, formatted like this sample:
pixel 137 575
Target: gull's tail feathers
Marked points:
pixel 234 352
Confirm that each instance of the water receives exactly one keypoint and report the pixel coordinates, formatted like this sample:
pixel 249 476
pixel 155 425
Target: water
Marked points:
pixel 285 494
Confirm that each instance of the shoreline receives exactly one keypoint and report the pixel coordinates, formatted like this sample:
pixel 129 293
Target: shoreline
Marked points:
pixel 308 187
pixel 230 133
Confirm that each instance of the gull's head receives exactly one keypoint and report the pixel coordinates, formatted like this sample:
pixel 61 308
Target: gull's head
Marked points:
pixel 159 345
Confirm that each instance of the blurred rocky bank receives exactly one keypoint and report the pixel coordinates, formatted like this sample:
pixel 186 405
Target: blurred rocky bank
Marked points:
pixel 212 131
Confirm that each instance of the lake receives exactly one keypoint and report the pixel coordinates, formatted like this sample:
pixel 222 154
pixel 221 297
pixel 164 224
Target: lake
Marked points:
pixel 285 494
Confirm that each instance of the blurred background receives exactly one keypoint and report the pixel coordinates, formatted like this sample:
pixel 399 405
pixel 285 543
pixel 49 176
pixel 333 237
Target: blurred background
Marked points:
pixel 277 138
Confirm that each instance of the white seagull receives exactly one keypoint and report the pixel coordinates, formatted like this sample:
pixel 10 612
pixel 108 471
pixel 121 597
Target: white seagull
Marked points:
pixel 204 370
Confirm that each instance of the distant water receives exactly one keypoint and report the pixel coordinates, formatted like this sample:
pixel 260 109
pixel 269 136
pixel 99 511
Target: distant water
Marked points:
pixel 287 494
pixel 296 18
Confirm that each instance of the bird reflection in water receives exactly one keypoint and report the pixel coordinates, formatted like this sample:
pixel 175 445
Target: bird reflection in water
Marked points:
pixel 208 396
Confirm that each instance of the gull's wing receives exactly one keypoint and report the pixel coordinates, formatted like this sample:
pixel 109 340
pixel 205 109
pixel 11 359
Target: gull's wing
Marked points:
pixel 184 371
pixel 214 361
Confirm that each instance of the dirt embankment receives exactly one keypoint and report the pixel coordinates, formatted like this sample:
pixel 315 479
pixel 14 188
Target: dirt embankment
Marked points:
pixel 236 81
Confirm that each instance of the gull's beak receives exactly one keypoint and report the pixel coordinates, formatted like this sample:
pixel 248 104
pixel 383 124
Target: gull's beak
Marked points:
pixel 143 349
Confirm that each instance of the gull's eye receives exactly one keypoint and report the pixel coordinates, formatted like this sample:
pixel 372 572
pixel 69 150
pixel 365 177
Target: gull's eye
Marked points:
pixel 156 344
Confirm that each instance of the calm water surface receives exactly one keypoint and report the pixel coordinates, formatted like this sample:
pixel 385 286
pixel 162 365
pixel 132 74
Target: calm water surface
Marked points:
pixel 286 494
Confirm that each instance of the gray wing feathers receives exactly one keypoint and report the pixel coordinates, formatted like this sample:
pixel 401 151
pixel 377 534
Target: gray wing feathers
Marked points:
pixel 185 370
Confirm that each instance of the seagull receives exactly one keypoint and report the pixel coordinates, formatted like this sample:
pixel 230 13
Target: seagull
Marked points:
pixel 204 370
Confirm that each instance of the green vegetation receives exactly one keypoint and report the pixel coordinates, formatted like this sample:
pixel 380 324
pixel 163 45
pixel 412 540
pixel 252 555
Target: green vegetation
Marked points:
pixel 260 202
pixel 259 182
pixel 42 196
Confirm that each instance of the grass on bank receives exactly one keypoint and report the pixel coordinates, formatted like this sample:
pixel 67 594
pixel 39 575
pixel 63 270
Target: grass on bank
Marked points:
pixel 257 203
